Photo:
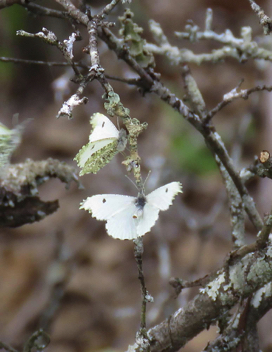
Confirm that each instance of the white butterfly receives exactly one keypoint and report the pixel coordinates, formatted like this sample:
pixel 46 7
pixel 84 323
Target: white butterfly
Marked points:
pixel 9 140
pixel 105 141
pixel 131 217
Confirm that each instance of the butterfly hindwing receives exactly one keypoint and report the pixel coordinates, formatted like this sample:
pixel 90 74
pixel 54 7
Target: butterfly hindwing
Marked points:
pixel 95 155
pixel 105 141
pixel 123 225
pixel 9 140
pixel 147 220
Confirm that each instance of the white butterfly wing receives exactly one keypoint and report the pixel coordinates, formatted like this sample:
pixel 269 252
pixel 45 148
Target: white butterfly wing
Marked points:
pixel 104 206
pixel 4 130
pixel 163 196
pixel 117 210
pixel 147 220
pixel 102 128
pixel 124 219
pixel 123 225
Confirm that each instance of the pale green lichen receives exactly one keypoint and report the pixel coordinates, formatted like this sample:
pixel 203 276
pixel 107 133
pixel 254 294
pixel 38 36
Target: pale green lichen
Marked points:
pixel 114 106
pixel 262 293
pixel 269 248
pixel 31 174
pixel 261 269
pixel 212 288
pixel 131 34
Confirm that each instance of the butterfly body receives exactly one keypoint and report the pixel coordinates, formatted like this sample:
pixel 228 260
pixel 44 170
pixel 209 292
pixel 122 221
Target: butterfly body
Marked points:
pixel 131 217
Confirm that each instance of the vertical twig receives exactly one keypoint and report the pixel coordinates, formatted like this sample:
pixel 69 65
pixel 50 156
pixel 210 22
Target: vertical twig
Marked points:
pixel 138 255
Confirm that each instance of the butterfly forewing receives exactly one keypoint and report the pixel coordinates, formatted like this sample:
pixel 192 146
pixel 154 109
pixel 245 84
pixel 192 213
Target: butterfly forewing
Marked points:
pixel 105 206
pixel 102 128
pixel 163 196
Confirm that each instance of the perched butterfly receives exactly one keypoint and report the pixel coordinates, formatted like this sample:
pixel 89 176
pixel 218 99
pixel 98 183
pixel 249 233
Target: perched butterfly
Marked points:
pixel 105 141
pixel 9 140
pixel 131 217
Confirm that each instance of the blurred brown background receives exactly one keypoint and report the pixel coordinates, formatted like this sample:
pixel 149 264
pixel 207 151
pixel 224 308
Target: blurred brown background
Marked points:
pixel 69 253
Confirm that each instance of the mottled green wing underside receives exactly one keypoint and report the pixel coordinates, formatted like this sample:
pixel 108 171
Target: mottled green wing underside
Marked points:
pixel 91 158
pixel 9 140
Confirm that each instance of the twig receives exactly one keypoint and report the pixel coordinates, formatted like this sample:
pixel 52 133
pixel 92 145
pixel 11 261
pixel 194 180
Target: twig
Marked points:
pixel 138 255
pixel 66 47
pixel 108 9
pixel 43 11
pixel 130 81
pixel 233 95
pixel 6 347
pixel 37 62
pixel 265 21
pixel 241 49
pixel 193 91
pixel 32 342
pixel 236 208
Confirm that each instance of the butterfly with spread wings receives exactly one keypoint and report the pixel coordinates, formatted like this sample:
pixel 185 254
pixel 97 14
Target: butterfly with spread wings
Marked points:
pixel 131 217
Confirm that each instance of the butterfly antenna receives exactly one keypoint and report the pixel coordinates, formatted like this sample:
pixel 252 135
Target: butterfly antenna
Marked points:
pixel 132 182
pixel 146 178
pixel 15 120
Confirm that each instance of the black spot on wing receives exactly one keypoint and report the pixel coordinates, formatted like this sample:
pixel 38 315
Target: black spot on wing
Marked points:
pixel 166 190
pixel 103 124
pixel 104 200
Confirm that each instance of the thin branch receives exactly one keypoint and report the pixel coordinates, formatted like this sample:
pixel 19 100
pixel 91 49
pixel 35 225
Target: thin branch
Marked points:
pixel 43 11
pixel 265 21
pixel 233 95
pixel 6 347
pixel 130 81
pixel 240 49
pixel 108 9
pixel 236 207
pixel 66 47
pixel 138 255
pixel 38 62
pixel 32 342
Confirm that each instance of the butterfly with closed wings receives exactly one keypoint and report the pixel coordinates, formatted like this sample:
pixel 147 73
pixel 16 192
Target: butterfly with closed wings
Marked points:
pixel 105 142
pixel 9 141
pixel 131 217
